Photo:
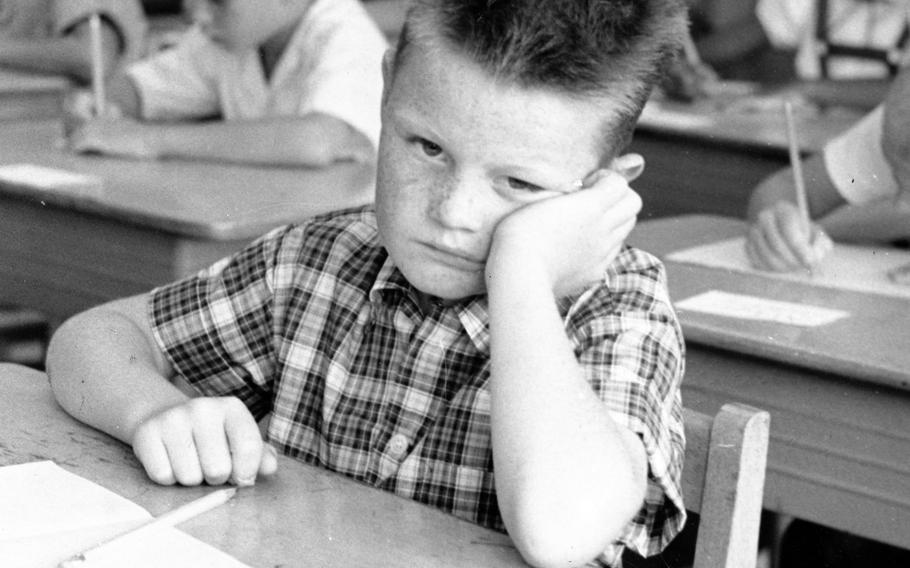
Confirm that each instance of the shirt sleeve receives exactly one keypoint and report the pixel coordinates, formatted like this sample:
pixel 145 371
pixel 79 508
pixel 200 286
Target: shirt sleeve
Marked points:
pixel 856 164
pixel 631 346
pixel 344 49
pixel 216 327
pixel 178 83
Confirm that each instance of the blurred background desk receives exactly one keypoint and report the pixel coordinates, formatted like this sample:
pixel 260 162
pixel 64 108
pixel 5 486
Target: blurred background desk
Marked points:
pixel 303 516
pixel 708 156
pixel 63 250
pixel 840 446
pixel 29 95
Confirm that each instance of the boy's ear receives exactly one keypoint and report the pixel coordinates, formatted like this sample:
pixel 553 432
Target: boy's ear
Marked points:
pixel 629 166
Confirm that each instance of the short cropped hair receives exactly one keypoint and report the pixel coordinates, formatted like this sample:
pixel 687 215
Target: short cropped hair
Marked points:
pixel 615 50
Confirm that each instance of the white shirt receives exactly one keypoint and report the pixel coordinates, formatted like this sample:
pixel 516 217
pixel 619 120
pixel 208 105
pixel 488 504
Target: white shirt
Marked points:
pixel 874 24
pixel 856 163
pixel 332 65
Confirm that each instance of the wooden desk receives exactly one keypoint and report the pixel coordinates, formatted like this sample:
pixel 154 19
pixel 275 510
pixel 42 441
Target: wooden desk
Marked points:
pixel 304 516
pixel 700 158
pixel 871 344
pixel 146 224
pixel 26 95
pixel 840 448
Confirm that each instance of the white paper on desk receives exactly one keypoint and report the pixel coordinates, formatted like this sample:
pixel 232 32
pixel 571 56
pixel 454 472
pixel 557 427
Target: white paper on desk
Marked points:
pixel 847 267
pixel 48 514
pixel 48 178
pixel 741 306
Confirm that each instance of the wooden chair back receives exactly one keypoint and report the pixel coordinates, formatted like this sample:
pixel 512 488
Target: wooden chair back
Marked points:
pixel 723 481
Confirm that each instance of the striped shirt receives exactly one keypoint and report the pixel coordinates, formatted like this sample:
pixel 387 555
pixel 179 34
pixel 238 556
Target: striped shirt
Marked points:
pixel 314 324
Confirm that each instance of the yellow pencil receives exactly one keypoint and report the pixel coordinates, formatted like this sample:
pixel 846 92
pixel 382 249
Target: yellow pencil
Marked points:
pixel 94 24
pixel 169 519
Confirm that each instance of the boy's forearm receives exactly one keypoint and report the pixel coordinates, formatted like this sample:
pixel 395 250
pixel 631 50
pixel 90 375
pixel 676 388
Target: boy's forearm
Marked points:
pixel 568 478
pixel 311 140
pixel 104 372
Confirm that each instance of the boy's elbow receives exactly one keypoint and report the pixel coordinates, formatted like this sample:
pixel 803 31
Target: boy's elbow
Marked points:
pixel 574 537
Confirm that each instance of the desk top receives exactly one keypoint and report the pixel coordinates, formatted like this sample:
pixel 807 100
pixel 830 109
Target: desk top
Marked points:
pixel 747 121
pixel 207 200
pixel 304 516
pixel 869 345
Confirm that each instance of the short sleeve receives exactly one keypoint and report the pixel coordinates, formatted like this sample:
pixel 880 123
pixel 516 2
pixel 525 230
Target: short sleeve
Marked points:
pixel 216 327
pixel 630 345
pixel 856 164
pixel 178 83
pixel 343 78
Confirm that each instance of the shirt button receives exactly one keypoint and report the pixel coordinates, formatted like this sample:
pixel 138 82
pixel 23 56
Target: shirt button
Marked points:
pixel 398 445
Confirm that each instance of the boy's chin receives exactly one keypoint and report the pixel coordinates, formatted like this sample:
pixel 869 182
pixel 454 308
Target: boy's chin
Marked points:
pixel 451 290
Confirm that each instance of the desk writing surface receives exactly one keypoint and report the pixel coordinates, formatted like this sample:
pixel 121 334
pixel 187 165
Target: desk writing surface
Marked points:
pixel 871 344
pixel 191 198
pixel 303 517
pixel 751 121
pixel 145 223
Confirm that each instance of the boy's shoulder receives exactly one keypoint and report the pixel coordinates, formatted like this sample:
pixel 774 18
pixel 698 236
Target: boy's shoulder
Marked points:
pixel 338 234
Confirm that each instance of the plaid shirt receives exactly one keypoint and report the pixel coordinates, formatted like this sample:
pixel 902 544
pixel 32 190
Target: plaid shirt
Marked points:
pixel 314 324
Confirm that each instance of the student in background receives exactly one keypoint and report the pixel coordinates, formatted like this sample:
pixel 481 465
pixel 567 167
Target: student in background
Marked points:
pixel 858 189
pixel 839 39
pixel 485 315
pixel 273 82
pixel 52 36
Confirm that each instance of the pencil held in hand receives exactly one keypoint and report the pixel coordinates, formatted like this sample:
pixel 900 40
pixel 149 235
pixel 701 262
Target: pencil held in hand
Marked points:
pixel 169 519
pixel 97 56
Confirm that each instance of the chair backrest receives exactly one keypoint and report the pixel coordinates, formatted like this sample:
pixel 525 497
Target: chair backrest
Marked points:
pixel 723 481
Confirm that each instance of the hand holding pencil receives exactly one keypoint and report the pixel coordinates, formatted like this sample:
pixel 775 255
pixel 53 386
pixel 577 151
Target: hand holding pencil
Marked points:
pixel 784 238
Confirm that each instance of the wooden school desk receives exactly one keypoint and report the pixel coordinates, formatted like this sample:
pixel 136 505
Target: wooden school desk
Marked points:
pixel 27 95
pixel 705 158
pixel 304 516
pixel 840 437
pixel 145 222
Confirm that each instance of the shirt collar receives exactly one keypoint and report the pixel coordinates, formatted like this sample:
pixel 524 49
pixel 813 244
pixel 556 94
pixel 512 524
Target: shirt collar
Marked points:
pixel 391 288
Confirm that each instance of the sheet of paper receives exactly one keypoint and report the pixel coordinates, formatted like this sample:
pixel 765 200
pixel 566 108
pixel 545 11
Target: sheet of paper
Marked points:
pixel 49 178
pixel 847 267
pixel 48 514
pixel 741 306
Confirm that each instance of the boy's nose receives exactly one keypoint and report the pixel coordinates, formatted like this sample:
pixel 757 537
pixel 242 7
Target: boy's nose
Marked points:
pixel 457 204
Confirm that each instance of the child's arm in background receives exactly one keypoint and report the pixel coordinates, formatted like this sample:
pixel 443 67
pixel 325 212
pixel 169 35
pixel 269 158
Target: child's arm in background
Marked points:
pixel 568 477
pixel 107 371
pixel 314 139
pixel 68 55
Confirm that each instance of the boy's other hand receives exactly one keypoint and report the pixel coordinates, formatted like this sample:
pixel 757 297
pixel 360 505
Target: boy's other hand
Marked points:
pixel 570 238
pixel 215 440
pixel 779 241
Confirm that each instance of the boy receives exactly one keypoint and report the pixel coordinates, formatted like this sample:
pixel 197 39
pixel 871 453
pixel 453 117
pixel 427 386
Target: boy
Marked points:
pixel 293 82
pixel 52 36
pixel 858 188
pixel 485 317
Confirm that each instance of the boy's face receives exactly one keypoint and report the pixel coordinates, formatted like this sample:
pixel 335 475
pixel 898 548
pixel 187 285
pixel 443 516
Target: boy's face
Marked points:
pixel 459 152
pixel 241 24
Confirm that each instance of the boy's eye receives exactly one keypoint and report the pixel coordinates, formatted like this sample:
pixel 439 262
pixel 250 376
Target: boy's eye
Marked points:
pixel 429 148
pixel 516 184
